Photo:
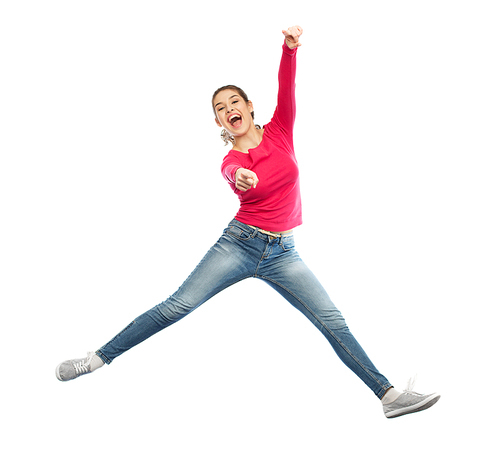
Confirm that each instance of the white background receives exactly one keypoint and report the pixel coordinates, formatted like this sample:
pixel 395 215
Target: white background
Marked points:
pixel 111 194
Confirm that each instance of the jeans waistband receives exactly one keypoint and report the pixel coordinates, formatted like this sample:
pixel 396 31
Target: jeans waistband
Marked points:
pixel 271 234
pixel 254 229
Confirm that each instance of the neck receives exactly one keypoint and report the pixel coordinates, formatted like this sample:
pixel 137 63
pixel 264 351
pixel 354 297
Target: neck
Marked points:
pixel 249 140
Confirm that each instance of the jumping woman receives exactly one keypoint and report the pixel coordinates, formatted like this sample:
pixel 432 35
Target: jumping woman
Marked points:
pixel 262 170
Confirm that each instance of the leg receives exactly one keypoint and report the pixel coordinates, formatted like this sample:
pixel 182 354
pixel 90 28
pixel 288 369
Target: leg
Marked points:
pixel 288 274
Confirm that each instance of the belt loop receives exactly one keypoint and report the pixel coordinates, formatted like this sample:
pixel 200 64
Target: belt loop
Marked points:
pixel 254 231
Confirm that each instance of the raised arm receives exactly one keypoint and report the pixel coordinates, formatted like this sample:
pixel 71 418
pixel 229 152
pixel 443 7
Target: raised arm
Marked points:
pixel 284 115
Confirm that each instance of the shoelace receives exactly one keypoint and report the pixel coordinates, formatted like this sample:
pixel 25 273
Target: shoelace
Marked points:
pixel 83 366
pixel 410 385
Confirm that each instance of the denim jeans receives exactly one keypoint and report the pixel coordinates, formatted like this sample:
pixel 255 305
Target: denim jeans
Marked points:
pixel 244 252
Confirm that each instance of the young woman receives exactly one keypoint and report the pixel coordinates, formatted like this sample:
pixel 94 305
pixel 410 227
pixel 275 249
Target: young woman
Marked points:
pixel 262 170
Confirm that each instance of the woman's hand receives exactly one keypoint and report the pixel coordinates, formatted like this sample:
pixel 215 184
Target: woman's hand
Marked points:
pixel 245 179
pixel 292 36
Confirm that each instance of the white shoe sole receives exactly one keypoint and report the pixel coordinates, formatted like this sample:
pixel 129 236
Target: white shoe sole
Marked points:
pixel 57 373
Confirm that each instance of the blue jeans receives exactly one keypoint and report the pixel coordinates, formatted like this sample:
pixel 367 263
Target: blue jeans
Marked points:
pixel 244 252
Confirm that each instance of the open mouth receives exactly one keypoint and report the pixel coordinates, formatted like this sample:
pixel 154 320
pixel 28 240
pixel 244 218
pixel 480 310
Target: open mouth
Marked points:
pixel 235 120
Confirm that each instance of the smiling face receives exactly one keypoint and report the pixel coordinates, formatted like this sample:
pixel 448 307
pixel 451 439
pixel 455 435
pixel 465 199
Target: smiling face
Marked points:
pixel 232 112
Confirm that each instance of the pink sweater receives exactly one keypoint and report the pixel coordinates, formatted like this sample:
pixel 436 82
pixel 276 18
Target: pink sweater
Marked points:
pixel 275 203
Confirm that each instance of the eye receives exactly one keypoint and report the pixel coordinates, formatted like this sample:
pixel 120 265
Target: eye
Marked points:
pixel 220 109
pixel 235 101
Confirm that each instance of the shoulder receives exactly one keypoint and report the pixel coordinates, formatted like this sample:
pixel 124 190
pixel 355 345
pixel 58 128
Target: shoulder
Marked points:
pixel 232 156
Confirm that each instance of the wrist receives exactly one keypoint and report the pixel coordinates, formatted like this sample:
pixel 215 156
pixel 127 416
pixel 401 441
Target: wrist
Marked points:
pixel 289 50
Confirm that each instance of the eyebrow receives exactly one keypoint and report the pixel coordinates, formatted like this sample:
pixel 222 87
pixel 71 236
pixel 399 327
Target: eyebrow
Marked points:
pixel 236 95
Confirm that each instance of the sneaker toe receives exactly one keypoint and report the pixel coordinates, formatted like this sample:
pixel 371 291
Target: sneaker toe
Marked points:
pixel 65 371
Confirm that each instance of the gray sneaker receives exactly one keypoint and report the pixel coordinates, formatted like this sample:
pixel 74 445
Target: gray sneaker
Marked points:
pixel 409 402
pixel 71 369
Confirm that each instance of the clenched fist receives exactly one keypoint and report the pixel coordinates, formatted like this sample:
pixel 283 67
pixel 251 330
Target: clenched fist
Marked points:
pixel 245 179
pixel 292 36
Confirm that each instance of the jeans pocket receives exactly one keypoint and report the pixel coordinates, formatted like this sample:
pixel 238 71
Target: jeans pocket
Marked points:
pixel 238 232
pixel 287 243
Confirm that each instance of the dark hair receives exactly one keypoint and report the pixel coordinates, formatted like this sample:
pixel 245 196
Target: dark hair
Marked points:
pixel 240 92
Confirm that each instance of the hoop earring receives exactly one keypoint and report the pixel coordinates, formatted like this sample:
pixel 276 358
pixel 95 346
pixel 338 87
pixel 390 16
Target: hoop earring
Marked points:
pixel 226 137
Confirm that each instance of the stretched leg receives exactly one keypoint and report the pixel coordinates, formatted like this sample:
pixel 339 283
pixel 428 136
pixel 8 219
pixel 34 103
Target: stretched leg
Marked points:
pixel 226 263
pixel 289 275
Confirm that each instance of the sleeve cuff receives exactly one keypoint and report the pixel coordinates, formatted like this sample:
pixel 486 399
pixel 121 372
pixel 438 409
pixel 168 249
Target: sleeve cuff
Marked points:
pixel 288 50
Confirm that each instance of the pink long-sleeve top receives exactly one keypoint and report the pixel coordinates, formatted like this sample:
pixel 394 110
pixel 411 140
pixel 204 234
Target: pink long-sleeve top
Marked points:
pixel 275 203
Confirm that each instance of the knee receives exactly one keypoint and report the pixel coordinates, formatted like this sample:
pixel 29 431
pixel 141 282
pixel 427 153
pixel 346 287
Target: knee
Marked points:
pixel 335 320
pixel 339 323
pixel 174 308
